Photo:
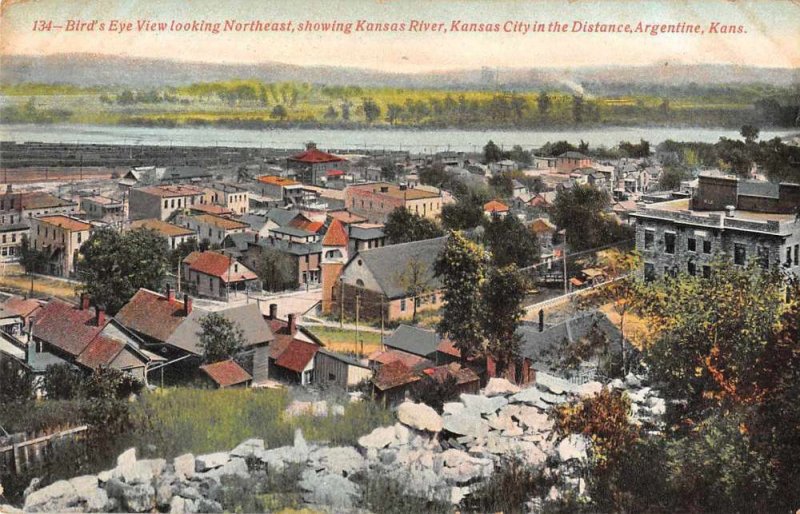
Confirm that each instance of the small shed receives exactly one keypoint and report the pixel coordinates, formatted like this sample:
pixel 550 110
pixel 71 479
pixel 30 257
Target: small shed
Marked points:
pixel 227 373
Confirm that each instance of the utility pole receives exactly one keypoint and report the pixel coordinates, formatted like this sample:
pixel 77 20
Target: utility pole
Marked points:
pixel 179 277
pixel 358 298
pixel 564 255
pixel 381 322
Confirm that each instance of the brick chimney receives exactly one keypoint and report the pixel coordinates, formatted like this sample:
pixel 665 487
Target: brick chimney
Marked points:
pixel 273 311
pixel 170 293
pixel 187 305
pixel 100 316
pixel 292 324
pixel 84 301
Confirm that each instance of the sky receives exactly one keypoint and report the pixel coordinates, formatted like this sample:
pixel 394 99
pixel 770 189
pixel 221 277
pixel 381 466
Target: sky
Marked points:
pixel 770 34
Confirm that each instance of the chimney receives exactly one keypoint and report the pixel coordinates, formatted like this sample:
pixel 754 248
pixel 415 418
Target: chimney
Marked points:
pixel 187 305
pixel 292 323
pixel 273 311
pixel 170 293
pixel 100 316
pixel 30 352
pixel 311 145
pixel 730 210
pixel 384 189
pixel 541 320
pixel 84 301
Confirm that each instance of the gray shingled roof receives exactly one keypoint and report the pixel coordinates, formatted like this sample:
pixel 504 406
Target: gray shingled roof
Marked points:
pixel 292 231
pixel 756 188
pixel 255 221
pixel 389 262
pixel 282 216
pixel 362 233
pixel 290 247
pixel 414 340
pixel 537 345
pixel 249 318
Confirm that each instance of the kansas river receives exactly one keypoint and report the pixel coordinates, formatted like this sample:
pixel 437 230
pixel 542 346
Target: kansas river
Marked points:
pixel 422 141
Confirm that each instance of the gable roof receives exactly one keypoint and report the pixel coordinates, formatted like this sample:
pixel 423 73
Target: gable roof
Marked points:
pixel 162 227
pixel 394 374
pixel 414 340
pixel 210 208
pixel 366 232
pixel 542 226
pixel 66 327
pixel 152 315
pixel 495 206
pixel 297 355
pixel 100 352
pixel 255 329
pixel 282 217
pixel 218 265
pixel 219 222
pixel 42 200
pixel 537 345
pixel 226 373
pixel 387 263
pixel 346 217
pixel 20 306
pixel 336 235
pixel 65 222
pixel 314 156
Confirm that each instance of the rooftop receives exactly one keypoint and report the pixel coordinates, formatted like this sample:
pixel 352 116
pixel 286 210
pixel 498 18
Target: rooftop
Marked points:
pixel 495 206
pixel 394 191
pixel 226 373
pixel 152 315
pixel 171 191
pixel 42 200
pixel 315 156
pixel 336 235
pixel 217 265
pixel 275 180
pixel 103 200
pixel 210 208
pixel 413 340
pixel 65 222
pixel 219 222
pixel 683 206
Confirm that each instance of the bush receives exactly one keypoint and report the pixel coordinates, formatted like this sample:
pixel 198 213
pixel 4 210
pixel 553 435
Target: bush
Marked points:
pixel 508 489
pixel 434 392
pixel 63 382
pixel 389 496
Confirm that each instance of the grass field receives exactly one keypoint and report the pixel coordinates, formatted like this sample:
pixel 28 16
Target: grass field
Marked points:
pixel 344 340
pixel 14 280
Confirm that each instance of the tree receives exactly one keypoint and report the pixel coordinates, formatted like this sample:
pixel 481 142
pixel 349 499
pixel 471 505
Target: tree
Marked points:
pixel 623 289
pixel 31 259
pixel 749 133
pixel 415 280
pixel 279 112
pixel 435 392
pixel 182 251
pixel 434 175
pixel 581 212
pixel 510 242
pixel 16 381
pixel 465 214
pixel 503 185
pixel 640 150
pixel 393 112
pixel 461 268
pixel 63 382
pixel 671 178
pixel 404 226
pixel 502 294
pixel 577 108
pixel 544 102
pixel 221 339
pixel 116 265
pixel 372 110
pixel 276 270
pixel 331 113
pixel 106 406
pixel 492 152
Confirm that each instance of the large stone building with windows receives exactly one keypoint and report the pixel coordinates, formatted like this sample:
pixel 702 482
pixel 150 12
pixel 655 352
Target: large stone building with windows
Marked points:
pixel 728 218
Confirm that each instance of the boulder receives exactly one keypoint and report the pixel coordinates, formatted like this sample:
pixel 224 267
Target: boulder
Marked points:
pixel 184 466
pixel 337 410
pixel 632 380
pixel 297 408
pixel 163 495
pixel 529 396
pixel 457 494
pixel 126 458
pixel 534 420
pixel 482 404
pixel 211 461
pixel 573 447
pixel 177 506
pixel 402 434
pixel 379 438
pixel 209 506
pixel 319 409
pixel 452 408
pixel 590 388
pixel 419 416
pixel 89 493
pixel 465 424
pixel 500 386
pixel 332 491
pixel 249 448
pixel 234 467
pixel 139 498
pixel 342 461
pixel 617 384
pixel 502 422
pixel 658 406
pixel 53 498
pixel 300 445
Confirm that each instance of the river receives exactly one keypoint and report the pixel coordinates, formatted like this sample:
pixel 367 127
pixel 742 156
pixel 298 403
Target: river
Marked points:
pixel 421 141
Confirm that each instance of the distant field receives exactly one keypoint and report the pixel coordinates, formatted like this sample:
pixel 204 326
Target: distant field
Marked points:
pixel 343 340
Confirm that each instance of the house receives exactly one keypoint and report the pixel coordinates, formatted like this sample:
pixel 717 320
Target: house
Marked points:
pixel 392 383
pixel 335 369
pixel 161 202
pixel 154 318
pixel 294 235
pixel 292 354
pixel 544 231
pixel 210 208
pixel 100 207
pixel 213 228
pixel 16 313
pixel 11 240
pixel 232 197
pixel 377 200
pixel 251 248
pixel 495 209
pixel 365 236
pixel 518 189
pixel 377 280
pixel 569 161
pixel 415 341
pixel 60 237
pixel 215 275
pixel 739 220
pixel 174 234
pixel 19 207
pixel 88 339
pixel 226 374
pixel 335 254
pixel 312 164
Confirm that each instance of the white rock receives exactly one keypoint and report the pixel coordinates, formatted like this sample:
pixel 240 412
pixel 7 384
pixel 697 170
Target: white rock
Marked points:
pixel 211 461
pixel 452 407
pixel 500 386
pixel 632 380
pixel 184 466
pixel 529 395
pixel 534 420
pixel 248 448
pixel 300 444
pixel 502 422
pixel 465 424
pixel 177 505
pixel 401 433
pixel 297 408
pixel 319 409
pixel 590 388
pixel 483 404
pixel 617 384
pixel 47 495
pixel 379 438
pixel 419 416
pixel 127 457
pixel 573 447
pixel 337 410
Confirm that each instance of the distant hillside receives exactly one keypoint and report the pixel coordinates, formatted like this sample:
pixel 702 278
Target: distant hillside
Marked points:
pixel 101 70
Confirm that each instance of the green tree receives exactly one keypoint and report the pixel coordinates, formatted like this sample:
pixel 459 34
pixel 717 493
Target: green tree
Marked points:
pixel 115 265
pixel 403 226
pixel 276 270
pixel 182 251
pixel 372 110
pixel 510 242
pixel 622 291
pixel 465 214
pixel 502 184
pixel 16 381
pixel 581 211
pixel 279 112
pixel 393 112
pixel 671 178
pixel 502 294
pixel 416 281
pixel 544 102
pixel 331 113
pixel 221 339
pixel 461 268
pixel 435 392
pixel 63 382
pixel 749 133
pixel 434 175
pixel 31 259
pixel 106 407
pixel 492 152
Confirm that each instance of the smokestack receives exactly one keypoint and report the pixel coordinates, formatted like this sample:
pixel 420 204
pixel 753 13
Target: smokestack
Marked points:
pixel 541 320
pixel 187 305
pixel 273 311
pixel 100 316
pixel 84 301
pixel 170 293
pixel 292 323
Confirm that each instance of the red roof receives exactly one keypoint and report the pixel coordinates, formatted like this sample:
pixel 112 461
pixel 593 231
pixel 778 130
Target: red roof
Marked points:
pixel 66 327
pixel 336 235
pixel 297 355
pixel 389 356
pixel 152 315
pixel 226 373
pixel 542 226
pixel 210 208
pixel 447 347
pixel 20 306
pixel 314 156
pixel 334 173
pixel 302 223
pixel 394 374
pixel 495 206
pixel 100 352
pixel 217 265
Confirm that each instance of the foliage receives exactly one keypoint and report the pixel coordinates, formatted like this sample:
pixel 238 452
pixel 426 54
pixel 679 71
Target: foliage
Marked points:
pixel 435 392
pixel 434 175
pixel 510 242
pixel 390 496
pixel 404 226
pixel 16 381
pixel 671 178
pixel 33 260
pixel 502 184
pixel 276 270
pixel 465 214
pixel 640 150
pixel 581 212
pixel 508 489
pixel 416 280
pixel 106 407
pixel 502 294
pixel 221 339
pixel 492 152
pixel 115 265
pixel 182 251
pixel 462 269
pixel 63 382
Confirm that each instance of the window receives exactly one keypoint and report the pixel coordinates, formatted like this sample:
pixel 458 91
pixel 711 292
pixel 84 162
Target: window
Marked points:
pixel 649 272
pixel 669 242
pixel 13 238
pixel 788 256
pixel 706 246
pixel 211 283
pixel 691 268
pixel 739 254
pixel 331 376
pixel 403 304
pixel 691 244
pixel 360 283
pixel 166 203
pixel 796 254
pixel 172 203
pixel 706 271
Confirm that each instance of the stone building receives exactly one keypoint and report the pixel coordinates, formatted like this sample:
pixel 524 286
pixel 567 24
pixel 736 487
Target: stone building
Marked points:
pixel 161 202
pixel 59 237
pixel 727 217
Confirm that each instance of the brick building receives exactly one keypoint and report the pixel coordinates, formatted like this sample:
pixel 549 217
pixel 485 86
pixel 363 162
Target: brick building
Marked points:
pixel 377 200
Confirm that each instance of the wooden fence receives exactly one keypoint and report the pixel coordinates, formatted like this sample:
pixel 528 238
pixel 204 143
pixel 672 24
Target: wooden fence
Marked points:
pixel 22 451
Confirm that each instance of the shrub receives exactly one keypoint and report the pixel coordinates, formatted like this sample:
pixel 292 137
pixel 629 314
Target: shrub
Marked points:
pixel 508 489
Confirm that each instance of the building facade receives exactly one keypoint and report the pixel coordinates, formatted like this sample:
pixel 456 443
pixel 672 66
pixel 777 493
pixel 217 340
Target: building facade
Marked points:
pixel 160 202
pixel 377 200
pixel 60 237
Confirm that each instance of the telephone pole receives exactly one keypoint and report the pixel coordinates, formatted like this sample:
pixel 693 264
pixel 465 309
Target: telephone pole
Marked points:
pixel 358 298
